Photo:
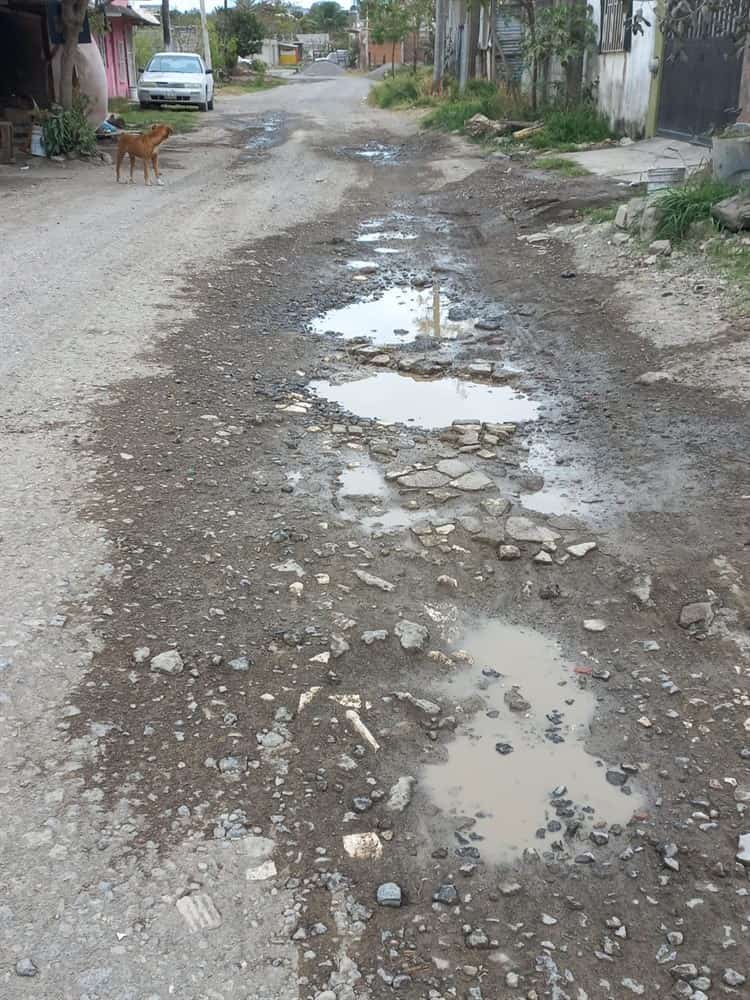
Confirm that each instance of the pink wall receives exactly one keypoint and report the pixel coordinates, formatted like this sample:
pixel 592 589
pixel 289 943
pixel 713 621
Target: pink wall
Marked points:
pixel 116 47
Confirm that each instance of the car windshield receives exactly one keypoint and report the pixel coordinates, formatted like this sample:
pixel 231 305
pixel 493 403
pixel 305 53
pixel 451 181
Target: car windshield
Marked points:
pixel 174 64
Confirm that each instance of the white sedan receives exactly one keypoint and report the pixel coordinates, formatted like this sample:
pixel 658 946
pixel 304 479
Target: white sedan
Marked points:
pixel 176 78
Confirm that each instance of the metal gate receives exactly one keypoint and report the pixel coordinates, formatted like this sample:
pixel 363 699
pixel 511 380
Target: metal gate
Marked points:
pixel 701 75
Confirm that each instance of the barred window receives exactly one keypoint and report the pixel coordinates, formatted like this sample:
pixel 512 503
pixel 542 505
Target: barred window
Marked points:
pixel 613 26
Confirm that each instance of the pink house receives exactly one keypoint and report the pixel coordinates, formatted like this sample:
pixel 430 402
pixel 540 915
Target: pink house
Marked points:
pixel 116 46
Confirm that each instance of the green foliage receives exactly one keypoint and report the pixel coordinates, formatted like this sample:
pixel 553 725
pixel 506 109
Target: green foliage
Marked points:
pixel 602 213
pixel 567 167
pixel 238 30
pixel 490 100
pixel 450 116
pixel 390 21
pixel 405 89
pixel 688 204
pixel 571 126
pixel 68 130
pixel 326 16
pixel 565 32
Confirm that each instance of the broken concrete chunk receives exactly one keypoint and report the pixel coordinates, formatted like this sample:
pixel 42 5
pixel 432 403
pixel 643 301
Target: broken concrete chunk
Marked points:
pixel 698 614
pixel 472 482
pixel 423 704
pixel 594 625
pixel 363 846
pixel 374 581
pixel 169 662
pixel 654 378
pixel 495 506
pixel 581 549
pixel 425 479
pixel 401 793
pixel 515 700
pixel 374 635
pixel 412 636
pixel 453 468
pixel 508 552
pixel 523 529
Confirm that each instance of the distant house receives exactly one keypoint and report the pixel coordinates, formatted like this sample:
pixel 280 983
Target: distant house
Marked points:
pixel 116 46
pixel 277 53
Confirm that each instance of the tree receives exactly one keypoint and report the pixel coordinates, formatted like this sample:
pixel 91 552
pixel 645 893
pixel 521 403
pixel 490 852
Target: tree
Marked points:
pixel 73 14
pixel 419 12
pixel 678 17
pixel 565 33
pixel 239 29
pixel 328 17
pixel 390 22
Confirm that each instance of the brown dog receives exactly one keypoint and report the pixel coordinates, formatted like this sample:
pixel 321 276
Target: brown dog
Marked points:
pixel 142 145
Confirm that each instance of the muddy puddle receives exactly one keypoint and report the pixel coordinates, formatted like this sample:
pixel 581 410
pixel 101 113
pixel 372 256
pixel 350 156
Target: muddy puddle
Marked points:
pixel 386 236
pixel 396 316
pixel 262 133
pixel 365 498
pixel 392 398
pixel 372 152
pixel 517 773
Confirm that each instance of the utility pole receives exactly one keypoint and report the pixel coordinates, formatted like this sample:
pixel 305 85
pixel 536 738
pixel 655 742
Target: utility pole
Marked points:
pixel 441 17
pixel 464 34
pixel 204 31
pixel 166 28
pixel 492 68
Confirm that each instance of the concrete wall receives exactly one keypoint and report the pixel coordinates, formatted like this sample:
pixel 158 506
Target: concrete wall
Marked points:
pixel 625 78
pixel 745 86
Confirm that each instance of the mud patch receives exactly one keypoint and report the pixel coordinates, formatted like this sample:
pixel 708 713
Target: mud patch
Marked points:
pixel 396 316
pixel 392 398
pixel 517 773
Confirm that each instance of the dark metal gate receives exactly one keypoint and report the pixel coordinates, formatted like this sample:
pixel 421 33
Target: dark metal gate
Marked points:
pixel 701 75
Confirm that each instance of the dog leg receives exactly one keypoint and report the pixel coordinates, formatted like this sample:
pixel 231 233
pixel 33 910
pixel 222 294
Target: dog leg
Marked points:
pixel 120 156
pixel 146 178
pixel 132 165
pixel 155 164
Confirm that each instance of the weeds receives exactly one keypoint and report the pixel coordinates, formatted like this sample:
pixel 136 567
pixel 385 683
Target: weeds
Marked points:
pixel 67 130
pixel 250 85
pixel 569 127
pixel 603 213
pixel 683 206
pixel 405 89
pixel 567 167
pixel 184 120
pixel 732 258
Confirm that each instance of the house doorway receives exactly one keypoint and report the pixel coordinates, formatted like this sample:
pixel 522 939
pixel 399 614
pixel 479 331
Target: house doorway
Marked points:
pixel 701 76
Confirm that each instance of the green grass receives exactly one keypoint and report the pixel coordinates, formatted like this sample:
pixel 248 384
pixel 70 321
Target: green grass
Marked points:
pixel 182 120
pixel 405 89
pixel 566 128
pixel 567 167
pixel 249 86
pixel 602 213
pixel 683 206
pixel 732 258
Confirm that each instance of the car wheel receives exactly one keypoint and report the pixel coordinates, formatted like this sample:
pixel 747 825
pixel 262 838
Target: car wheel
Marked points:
pixel 203 106
pixel 211 104
pixel 145 105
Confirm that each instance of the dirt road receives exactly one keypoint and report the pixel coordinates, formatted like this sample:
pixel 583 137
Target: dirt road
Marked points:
pixel 367 628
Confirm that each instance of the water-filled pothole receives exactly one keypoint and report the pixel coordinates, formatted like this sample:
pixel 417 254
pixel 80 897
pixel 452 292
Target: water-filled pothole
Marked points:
pixel 396 316
pixel 385 236
pixel 518 770
pixel 392 398
pixel 262 133
pixel 373 152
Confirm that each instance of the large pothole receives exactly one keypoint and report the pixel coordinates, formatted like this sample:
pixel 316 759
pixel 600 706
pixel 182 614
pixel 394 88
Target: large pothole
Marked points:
pixel 392 398
pixel 517 774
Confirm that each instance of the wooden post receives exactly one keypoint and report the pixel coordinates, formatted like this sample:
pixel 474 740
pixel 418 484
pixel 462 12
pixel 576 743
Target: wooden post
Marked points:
pixel 441 17
pixel 166 27
pixel 492 68
pixel 204 32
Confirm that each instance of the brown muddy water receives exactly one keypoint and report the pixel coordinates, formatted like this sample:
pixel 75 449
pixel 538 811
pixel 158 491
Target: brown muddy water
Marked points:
pixel 392 398
pixel 519 780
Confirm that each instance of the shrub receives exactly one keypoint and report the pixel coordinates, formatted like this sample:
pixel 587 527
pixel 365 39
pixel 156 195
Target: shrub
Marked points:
pixel 404 89
pixel 571 126
pixel 67 130
pixel 682 206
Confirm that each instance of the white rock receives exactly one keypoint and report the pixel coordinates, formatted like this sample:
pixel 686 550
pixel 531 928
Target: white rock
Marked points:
pixel 581 549
pixel 374 581
pixel 296 589
pixel 523 529
pixel 363 846
pixel 594 625
pixel 169 662
pixel 654 378
pixel 141 654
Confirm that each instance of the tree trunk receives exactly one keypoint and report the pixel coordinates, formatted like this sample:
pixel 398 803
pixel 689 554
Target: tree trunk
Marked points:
pixel 393 57
pixel 574 67
pixel 416 43
pixel 464 49
pixel 73 14
pixel 439 57
pixel 492 68
pixel 472 20
pixel 166 27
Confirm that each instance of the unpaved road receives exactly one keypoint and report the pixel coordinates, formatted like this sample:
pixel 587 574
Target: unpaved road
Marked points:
pixel 396 627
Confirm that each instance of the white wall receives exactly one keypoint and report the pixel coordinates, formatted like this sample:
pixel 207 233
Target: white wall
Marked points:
pixel 625 78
